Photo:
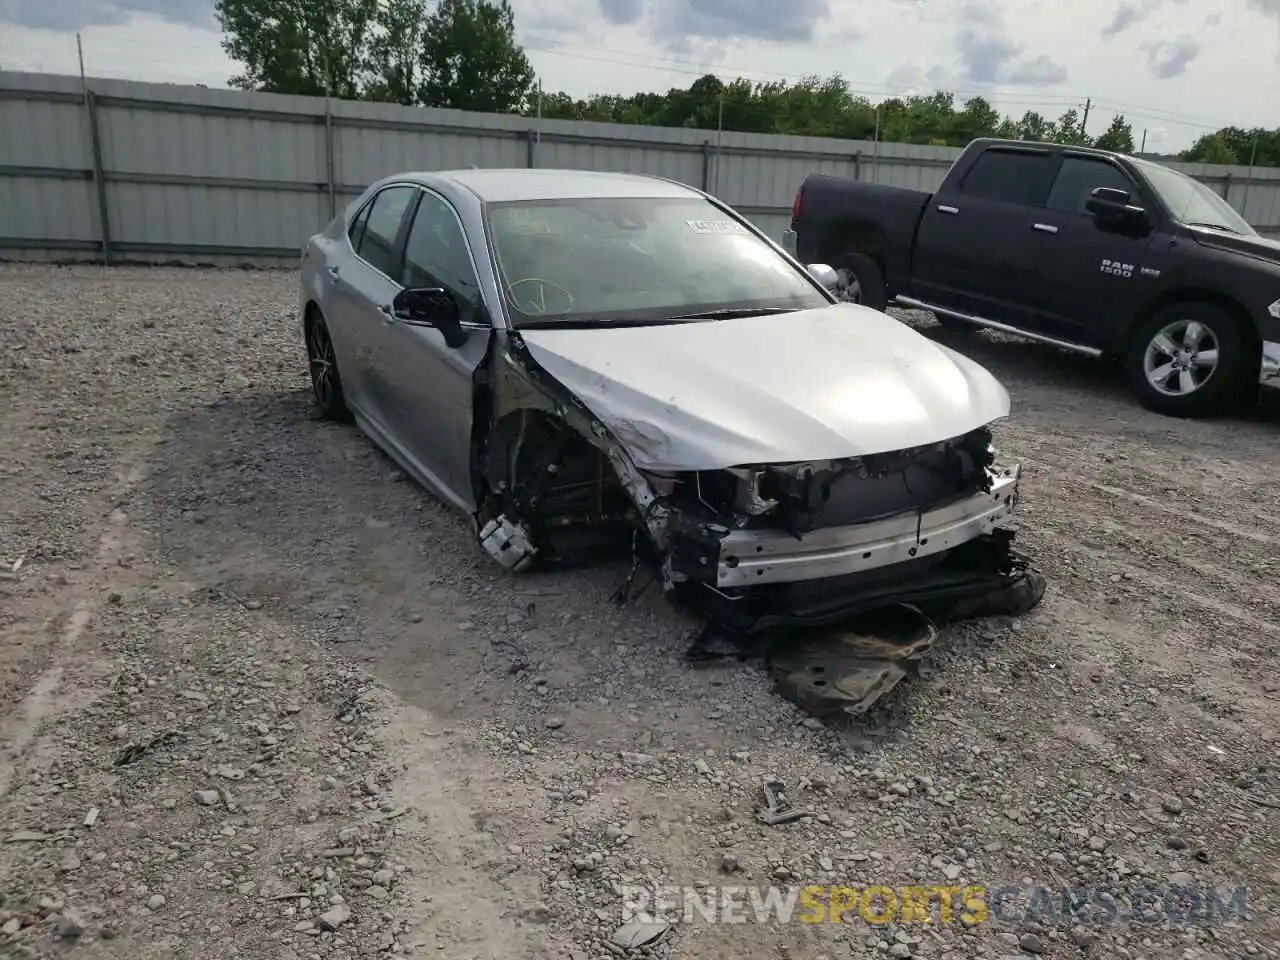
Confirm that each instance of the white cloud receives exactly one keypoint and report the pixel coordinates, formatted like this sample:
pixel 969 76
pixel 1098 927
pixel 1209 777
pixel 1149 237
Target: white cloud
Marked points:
pixel 1163 63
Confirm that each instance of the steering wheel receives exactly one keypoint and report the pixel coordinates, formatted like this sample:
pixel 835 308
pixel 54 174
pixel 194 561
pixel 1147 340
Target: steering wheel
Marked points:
pixel 537 305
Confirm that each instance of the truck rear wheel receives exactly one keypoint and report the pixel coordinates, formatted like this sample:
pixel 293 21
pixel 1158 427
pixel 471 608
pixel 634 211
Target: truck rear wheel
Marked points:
pixel 861 280
pixel 1190 360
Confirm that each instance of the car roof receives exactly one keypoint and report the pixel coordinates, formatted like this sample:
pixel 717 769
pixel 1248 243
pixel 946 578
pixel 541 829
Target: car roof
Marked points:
pixel 498 186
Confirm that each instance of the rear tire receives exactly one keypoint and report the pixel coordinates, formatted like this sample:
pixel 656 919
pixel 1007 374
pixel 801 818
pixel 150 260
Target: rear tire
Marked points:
pixel 1191 360
pixel 861 281
pixel 322 361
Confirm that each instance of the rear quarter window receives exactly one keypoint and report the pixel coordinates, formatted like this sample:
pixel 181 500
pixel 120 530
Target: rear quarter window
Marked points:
pixel 356 230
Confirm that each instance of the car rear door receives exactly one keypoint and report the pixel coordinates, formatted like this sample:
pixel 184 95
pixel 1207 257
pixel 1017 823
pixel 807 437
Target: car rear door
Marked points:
pixel 1092 281
pixel 971 251
pixel 433 382
pixel 363 285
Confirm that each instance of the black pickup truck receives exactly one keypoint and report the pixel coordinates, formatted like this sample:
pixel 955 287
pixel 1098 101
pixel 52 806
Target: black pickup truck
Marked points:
pixel 1088 250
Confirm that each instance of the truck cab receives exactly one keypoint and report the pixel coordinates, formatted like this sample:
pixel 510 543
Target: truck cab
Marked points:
pixel 1088 250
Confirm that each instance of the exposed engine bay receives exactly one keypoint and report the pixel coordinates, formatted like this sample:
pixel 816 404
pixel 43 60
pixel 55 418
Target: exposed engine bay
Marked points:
pixel 754 549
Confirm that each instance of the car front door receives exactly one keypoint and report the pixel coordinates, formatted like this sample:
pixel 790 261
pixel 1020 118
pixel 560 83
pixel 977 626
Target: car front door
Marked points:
pixel 363 284
pixel 1092 281
pixel 433 381
pixel 971 249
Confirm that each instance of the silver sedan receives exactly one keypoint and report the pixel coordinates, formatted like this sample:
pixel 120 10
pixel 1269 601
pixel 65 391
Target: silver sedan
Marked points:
pixel 578 360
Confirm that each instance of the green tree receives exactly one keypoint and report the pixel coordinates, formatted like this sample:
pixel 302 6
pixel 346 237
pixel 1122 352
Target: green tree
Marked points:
pixel 1070 130
pixel 824 107
pixel 470 59
pixel 977 119
pixel 1118 136
pixel 394 59
pixel 1257 146
pixel 1211 148
pixel 301 48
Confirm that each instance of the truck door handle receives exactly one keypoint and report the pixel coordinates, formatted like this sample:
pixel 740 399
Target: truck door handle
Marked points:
pixel 944 208
pixel 1044 227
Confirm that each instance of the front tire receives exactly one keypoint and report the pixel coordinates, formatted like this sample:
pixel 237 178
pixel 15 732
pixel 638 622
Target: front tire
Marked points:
pixel 1190 360
pixel 326 382
pixel 861 281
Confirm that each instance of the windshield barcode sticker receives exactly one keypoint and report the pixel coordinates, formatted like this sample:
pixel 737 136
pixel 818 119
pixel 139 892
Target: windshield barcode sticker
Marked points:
pixel 715 226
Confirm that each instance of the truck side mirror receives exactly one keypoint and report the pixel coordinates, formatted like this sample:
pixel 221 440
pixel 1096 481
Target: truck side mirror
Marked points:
pixel 1113 209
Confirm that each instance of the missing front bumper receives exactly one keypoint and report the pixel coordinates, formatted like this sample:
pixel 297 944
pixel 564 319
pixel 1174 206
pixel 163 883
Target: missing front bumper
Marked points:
pixel 982 577
pixel 752 558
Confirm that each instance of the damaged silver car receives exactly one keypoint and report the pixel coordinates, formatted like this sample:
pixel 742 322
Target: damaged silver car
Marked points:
pixel 586 361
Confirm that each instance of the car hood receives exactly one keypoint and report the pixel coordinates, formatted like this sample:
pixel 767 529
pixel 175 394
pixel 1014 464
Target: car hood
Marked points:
pixel 838 381
pixel 1260 247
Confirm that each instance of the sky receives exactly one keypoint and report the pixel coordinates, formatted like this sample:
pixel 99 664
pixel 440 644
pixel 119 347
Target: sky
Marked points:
pixel 1175 68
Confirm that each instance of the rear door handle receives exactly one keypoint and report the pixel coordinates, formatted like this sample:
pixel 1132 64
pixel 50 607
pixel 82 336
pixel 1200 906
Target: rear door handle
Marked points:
pixel 333 272
pixel 945 208
pixel 1044 227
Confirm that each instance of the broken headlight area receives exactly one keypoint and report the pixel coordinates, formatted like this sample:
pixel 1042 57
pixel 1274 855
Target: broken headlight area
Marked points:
pixel 760 526
pixel 800 497
pixel 554 496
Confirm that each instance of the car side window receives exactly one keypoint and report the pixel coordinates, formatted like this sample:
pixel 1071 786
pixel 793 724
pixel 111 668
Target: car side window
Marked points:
pixel 378 240
pixel 436 255
pixel 1078 177
pixel 356 230
pixel 1009 176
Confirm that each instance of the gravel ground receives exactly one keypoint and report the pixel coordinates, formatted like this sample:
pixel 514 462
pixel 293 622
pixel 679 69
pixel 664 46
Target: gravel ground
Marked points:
pixel 260 698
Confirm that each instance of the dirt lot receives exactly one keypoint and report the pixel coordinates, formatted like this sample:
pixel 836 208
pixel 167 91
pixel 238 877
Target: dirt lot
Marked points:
pixel 261 698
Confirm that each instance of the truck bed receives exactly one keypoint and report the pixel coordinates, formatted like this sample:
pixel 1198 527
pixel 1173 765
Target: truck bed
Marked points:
pixel 836 209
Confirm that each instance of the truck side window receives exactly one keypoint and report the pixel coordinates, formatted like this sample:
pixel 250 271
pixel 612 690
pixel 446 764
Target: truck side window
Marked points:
pixel 1078 177
pixel 1009 176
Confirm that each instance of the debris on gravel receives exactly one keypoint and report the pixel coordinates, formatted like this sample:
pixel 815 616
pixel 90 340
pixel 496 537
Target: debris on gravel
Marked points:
pixel 261 698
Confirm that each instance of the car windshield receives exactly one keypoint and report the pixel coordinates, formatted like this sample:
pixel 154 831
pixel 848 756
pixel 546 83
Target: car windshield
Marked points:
pixel 603 261
pixel 1192 203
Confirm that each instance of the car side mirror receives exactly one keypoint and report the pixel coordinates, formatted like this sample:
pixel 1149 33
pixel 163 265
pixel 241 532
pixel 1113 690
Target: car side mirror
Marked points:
pixel 1112 208
pixel 431 307
pixel 825 275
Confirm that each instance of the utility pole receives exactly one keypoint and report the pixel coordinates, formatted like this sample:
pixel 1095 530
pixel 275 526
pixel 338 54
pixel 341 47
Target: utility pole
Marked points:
pixel 538 124
pixel 1248 177
pixel 84 84
pixel 719 137
pixel 1084 121
pixel 875 150
pixel 1143 149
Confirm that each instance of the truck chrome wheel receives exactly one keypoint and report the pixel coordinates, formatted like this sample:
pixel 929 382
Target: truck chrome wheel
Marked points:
pixel 1181 358
pixel 849 289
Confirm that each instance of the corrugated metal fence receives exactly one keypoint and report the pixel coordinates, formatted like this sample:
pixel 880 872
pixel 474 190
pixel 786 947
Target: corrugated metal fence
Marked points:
pixel 119 170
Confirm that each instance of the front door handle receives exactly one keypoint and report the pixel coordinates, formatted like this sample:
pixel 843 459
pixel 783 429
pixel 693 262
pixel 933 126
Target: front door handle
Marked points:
pixel 946 208
pixel 333 272
pixel 1044 227
pixel 387 314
